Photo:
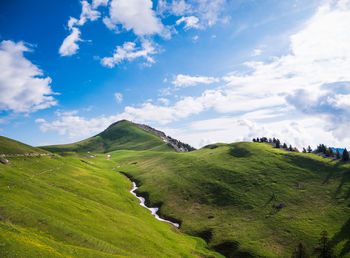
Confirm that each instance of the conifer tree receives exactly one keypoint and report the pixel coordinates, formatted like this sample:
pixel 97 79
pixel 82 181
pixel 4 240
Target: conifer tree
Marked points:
pixel 324 249
pixel 304 150
pixel 345 155
pixel 309 150
pixel 337 154
pixel 278 144
pixel 285 146
pixel 290 148
pixel 300 252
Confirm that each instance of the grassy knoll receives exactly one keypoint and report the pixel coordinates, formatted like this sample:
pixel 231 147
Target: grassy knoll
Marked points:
pixel 226 192
pixel 122 135
pixel 76 206
pixel 9 146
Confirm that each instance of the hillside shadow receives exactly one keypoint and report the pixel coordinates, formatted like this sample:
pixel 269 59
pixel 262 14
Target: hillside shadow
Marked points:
pixel 230 249
pixel 239 152
pixel 343 235
pixel 345 179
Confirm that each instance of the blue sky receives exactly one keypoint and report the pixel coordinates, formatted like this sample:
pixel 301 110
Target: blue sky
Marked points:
pixel 203 71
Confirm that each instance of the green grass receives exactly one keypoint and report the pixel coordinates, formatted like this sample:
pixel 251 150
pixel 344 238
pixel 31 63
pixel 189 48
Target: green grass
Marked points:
pixel 9 146
pixel 123 135
pixel 226 193
pixel 63 207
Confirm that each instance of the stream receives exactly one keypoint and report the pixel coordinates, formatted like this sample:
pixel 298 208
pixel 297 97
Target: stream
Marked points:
pixel 152 210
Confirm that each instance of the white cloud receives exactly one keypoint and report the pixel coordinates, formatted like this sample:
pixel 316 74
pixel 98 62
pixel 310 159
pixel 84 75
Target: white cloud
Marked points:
pixel 110 25
pixel 182 80
pixel 164 101
pixel 69 46
pixel 98 3
pixel 118 97
pixel 195 38
pixel 209 11
pixel 180 7
pixel 87 13
pixel 301 97
pixel 190 22
pixel 129 52
pixel 137 15
pixel 22 84
pixel 256 52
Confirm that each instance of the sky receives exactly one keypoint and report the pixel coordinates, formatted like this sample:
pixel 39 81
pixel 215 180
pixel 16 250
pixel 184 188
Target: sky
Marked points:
pixel 202 71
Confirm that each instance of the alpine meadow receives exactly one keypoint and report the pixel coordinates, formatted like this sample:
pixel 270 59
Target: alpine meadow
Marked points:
pixel 175 128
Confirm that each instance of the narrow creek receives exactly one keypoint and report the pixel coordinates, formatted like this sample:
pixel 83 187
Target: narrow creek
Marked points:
pixel 152 210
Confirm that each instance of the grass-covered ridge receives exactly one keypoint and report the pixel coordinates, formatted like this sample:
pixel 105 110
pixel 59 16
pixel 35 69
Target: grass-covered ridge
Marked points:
pixel 79 206
pixel 123 135
pixel 9 146
pixel 227 193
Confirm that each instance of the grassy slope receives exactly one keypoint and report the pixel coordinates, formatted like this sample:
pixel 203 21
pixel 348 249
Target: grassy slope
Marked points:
pixel 9 146
pixel 228 191
pixel 121 136
pixel 61 206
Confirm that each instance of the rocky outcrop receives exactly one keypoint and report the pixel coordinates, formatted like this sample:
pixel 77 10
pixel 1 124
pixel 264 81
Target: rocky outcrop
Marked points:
pixel 177 145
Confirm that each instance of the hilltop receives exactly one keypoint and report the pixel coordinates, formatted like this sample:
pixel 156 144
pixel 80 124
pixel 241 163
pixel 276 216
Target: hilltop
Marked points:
pixel 124 135
pixel 11 147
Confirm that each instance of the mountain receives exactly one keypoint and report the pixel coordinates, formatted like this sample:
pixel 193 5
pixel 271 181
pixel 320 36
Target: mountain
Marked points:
pixel 248 199
pixel 80 206
pixel 244 199
pixel 124 135
pixel 11 147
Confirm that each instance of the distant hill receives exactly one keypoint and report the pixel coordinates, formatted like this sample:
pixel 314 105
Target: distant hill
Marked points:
pixel 9 146
pixel 248 199
pixel 124 135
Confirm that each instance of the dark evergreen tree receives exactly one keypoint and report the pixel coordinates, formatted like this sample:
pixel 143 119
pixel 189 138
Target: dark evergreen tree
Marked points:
pixel 270 140
pixel 337 154
pixel 345 155
pixel 285 146
pixel 278 144
pixel 309 150
pixel 304 150
pixel 331 152
pixel 324 249
pixel 290 148
pixel 300 252
pixel 254 140
pixel 274 140
pixel 257 139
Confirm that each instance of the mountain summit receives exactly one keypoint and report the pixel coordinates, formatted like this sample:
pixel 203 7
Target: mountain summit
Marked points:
pixel 125 135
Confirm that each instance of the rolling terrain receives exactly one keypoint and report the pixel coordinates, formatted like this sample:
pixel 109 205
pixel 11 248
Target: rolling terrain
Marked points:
pixel 79 206
pixel 244 199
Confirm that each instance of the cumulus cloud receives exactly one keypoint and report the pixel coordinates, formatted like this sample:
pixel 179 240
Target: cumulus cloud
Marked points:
pixel 189 21
pixel 69 46
pixel 182 80
pixel 136 15
pixel 301 97
pixel 118 97
pixel 129 51
pixel 98 3
pixel 22 84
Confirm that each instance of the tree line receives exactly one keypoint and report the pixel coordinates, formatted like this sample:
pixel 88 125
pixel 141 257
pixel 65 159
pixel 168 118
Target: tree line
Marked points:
pixel 322 250
pixel 321 148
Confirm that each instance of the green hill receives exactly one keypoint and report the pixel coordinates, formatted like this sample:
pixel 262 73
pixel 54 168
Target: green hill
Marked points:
pixel 248 199
pixel 80 206
pixel 9 146
pixel 122 135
